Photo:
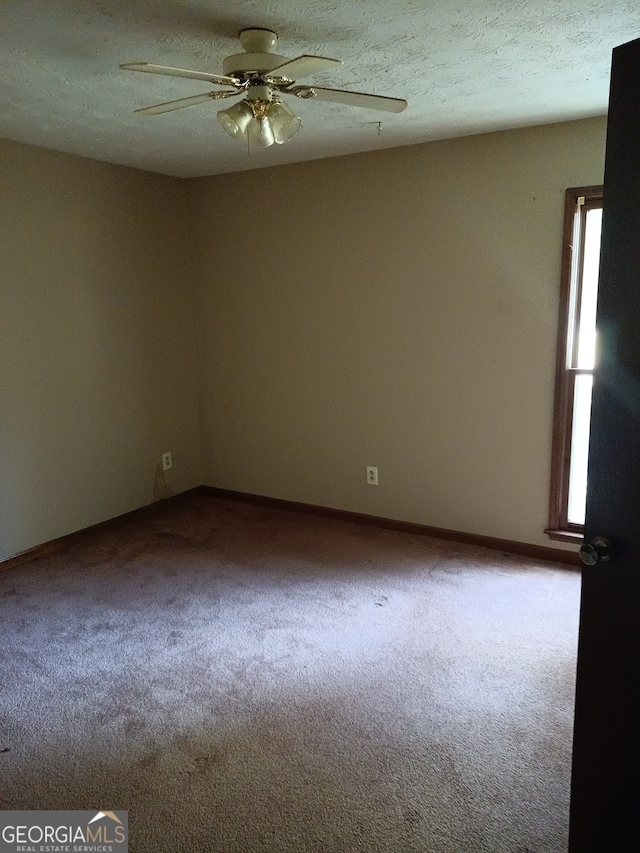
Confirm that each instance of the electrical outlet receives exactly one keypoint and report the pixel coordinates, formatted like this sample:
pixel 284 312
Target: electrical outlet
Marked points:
pixel 372 475
pixel 166 461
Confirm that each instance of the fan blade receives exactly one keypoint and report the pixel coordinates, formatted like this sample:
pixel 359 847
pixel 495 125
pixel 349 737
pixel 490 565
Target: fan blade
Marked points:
pixel 303 66
pixel 218 79
pixel 352 99
pixel 184 102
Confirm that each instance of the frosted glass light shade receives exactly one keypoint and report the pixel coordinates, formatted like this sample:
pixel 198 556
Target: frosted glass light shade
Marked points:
pixel 260 132
pixel 284 123
pixel 235 119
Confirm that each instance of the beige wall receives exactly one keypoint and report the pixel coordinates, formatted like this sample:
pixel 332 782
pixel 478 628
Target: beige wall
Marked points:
pixel 96 343
pixel 395 309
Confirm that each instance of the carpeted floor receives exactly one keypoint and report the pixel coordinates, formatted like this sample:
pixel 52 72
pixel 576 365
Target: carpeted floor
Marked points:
pixel 246 680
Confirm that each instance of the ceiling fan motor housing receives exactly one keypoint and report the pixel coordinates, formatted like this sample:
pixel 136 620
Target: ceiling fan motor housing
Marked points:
pixel 241 64
pixel 257 58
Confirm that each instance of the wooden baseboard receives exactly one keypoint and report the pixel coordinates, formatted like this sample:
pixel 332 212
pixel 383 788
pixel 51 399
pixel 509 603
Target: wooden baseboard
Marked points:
pixel 521 549
pixel 63 541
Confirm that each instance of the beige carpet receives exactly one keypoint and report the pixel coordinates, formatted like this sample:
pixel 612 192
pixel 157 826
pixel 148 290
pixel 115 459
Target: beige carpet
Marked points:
pixel 243 680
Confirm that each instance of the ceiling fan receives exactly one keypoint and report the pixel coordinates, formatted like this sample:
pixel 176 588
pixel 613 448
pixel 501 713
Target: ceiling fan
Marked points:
pixel 263 76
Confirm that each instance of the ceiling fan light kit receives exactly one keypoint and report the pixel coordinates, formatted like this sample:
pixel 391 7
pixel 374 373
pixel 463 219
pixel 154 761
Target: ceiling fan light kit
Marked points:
pixel 263 77
pixel 260 119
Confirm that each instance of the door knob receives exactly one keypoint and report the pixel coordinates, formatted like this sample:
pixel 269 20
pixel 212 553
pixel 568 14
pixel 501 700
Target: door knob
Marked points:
pixel 597 551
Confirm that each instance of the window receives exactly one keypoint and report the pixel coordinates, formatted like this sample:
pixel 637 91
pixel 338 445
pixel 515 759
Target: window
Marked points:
pixel 575 362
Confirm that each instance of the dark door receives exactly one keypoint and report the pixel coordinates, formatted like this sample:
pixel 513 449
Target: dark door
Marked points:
pixel 605 788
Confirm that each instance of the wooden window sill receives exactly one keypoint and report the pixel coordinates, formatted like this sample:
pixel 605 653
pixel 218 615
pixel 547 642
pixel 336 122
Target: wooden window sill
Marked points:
pixel 565 536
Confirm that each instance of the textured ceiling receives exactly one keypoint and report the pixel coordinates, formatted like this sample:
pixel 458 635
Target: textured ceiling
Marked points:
pixel 465 66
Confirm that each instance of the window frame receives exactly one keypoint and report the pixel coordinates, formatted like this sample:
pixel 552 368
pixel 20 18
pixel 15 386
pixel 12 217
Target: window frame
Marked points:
pixel 560 528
